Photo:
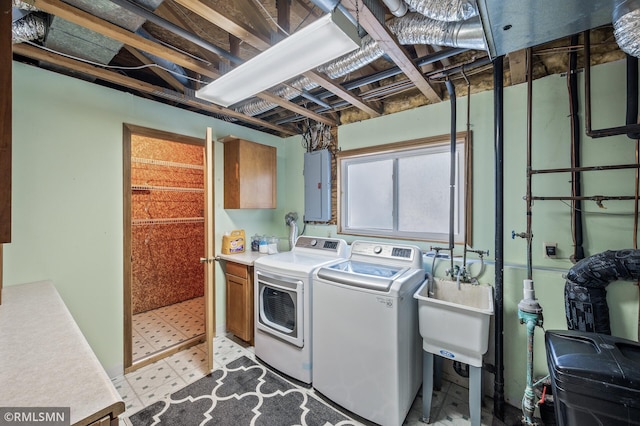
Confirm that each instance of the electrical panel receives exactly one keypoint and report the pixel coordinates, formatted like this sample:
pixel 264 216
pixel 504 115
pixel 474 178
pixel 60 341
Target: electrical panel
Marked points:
pixel 317 186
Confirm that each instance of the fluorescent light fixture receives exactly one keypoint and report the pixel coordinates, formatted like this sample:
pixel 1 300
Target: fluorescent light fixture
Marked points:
pixel 318 43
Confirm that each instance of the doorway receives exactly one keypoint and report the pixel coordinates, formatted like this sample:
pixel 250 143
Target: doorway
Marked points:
pixel 165 183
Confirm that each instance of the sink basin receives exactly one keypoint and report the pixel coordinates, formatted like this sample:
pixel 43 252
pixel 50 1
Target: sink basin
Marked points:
pixel 455 323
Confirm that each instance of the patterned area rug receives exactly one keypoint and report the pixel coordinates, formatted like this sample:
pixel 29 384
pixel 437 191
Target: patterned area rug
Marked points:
pixel 242 393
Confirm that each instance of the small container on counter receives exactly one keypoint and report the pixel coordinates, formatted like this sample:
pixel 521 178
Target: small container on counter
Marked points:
pixel 255 243
pixel 272 247
pixel 263 246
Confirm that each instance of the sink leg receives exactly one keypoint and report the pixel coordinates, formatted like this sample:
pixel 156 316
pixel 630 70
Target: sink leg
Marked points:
pixel 437 373
pixel 475 394
pixel 427 385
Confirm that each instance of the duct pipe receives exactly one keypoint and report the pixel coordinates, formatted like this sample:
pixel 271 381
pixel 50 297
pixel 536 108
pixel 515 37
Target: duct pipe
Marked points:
pixel 626 14
pixel 419 29
pixel 451 10
pixel 410 29
pixel 369 52
pixel 576 187
pixel 287 91
pixel 585 289
pixel 176 70
pixel 373 78
pixel 20 9
pixel 392 72
pixel 31 27
pixel 397 7
pixel 498 122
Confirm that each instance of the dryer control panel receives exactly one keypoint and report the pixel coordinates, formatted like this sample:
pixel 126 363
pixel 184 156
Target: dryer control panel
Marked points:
pixel 333 245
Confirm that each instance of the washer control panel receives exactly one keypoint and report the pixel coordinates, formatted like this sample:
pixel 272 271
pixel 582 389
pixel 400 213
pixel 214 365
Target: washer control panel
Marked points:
pixel 395 252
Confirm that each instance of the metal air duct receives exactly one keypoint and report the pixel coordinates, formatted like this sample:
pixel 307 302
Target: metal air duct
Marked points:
pixel 287 91
pixel 410 29
pixel 445 10
pixel 397 7
pixel 340 67
pixel 30 27
pixel 415 28
pixel 626 26
pixel 369 52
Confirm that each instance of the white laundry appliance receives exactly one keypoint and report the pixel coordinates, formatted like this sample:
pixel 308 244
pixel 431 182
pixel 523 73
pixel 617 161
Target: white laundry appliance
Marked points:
pixel 367 349
pixel 283 294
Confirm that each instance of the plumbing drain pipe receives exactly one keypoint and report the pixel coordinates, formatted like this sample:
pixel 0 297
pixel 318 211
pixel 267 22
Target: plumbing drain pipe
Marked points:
pixel 529 313
pixel 498 117
pixel 452 176
pixel 585 294
pixel 632 94
pixel 576 190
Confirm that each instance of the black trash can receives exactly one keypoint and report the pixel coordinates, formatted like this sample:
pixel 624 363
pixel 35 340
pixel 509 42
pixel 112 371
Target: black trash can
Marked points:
pixel 595 378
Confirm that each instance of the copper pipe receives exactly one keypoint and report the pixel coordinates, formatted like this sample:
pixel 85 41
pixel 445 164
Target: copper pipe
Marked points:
pixel 586 168
pixel 529 234
pixel 596 198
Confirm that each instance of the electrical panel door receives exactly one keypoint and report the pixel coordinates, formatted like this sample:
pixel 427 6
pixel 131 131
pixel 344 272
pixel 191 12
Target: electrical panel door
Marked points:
pixel 317 186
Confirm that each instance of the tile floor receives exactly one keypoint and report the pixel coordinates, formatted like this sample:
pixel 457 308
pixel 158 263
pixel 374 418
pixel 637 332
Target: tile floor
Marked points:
pixel 155 381
pixel 164 327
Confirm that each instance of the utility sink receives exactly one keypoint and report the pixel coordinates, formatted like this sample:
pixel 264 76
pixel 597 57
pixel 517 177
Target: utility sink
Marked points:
pixel 455 323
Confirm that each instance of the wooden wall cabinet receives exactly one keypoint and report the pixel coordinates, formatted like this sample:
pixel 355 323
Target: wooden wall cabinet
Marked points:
pixel 250 173
pixel 240 300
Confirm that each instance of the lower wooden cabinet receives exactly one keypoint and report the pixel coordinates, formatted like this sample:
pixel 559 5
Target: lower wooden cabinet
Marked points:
pixel 240 300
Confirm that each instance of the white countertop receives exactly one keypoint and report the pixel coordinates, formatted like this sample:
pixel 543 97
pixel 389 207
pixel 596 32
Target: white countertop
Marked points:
pixel 45 361
pixel 246 258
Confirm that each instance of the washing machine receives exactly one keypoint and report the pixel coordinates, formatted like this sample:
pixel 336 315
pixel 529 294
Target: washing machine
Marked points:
pixel 283 294
pixel 367 349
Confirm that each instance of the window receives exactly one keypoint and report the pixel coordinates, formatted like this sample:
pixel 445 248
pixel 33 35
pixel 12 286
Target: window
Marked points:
pixel 402 190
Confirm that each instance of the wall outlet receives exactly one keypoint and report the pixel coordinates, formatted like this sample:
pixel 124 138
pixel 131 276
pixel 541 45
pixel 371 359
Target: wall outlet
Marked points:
pixel 550 250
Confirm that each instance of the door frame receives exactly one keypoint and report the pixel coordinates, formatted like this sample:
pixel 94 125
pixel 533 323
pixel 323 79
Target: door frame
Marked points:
pixel 130 130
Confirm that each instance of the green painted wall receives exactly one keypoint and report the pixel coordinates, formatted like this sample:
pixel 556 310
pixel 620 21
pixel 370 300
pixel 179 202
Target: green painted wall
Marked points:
pixel 67 194
pixel 610 228
pixel 67 198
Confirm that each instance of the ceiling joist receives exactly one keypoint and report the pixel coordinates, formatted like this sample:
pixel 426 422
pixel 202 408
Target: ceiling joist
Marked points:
pixel 388 42
pixel 248 35
pixel 91 22
pixel 131 83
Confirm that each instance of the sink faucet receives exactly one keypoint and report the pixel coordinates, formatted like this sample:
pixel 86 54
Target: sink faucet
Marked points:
pixel 431 291
pixel 461 274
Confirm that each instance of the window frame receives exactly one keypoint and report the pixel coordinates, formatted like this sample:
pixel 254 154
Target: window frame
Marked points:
pixel 398 147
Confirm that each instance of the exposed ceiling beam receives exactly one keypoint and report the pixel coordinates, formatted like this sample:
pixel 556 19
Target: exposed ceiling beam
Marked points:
pixel 342 93
pixel 166 76
pixel 171 12
pixel 98 25
pixel 248 35
pixel 388 42
pixel 255 17
pixel 86 20
pixel 240 30
pixel 270 97
pixel 119 79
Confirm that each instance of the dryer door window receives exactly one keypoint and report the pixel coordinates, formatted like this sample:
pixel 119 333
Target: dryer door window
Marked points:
pixel 280 308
